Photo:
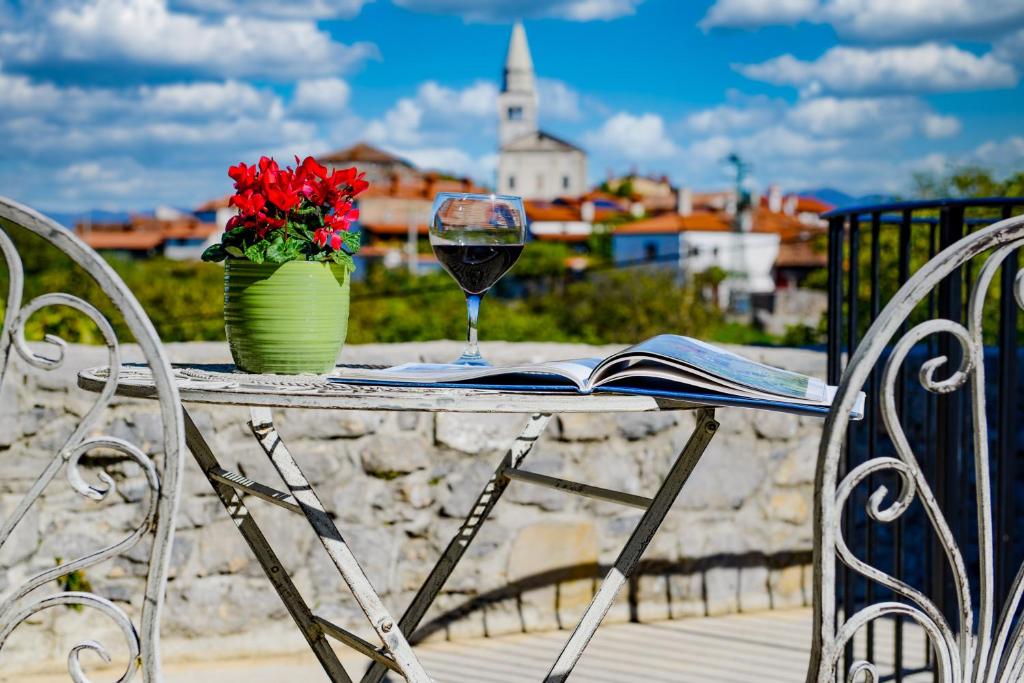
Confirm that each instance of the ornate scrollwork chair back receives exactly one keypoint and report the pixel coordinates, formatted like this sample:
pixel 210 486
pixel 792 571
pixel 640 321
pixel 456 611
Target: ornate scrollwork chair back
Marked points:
pixel 985 646
pixel 162 476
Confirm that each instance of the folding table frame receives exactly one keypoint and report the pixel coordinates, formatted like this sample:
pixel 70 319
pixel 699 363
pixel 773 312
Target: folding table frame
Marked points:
pixel 395 653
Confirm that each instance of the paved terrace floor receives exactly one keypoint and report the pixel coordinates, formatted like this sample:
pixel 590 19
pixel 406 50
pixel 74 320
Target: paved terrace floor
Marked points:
pixel 766 647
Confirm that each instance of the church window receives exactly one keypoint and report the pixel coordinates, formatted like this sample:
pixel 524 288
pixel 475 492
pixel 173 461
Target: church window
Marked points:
pixel 515 113
pixel 565 182
pixel 511 182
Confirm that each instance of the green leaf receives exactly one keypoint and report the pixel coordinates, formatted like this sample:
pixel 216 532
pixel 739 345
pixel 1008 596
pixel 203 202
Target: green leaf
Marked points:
pixel 234 251
pixel 351 241
pixel 343 259
pixel 215 253
pixel 256 252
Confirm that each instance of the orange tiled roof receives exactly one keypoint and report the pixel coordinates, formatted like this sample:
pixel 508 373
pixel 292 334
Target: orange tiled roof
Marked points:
pixel 788 229
pixel 702 221
pixel 362 152
pixel 392 228
pixel 214 204
pixel 142 233
pixel 130 241
pixel 812 205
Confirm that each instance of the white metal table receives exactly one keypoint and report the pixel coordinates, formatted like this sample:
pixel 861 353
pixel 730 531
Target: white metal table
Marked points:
pixel 222 385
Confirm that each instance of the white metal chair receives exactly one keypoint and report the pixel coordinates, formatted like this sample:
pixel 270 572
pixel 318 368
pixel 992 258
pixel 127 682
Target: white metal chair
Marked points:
pixel 163 475
pixel 986 649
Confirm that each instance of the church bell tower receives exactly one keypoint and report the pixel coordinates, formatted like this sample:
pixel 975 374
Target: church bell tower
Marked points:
pixel 517 103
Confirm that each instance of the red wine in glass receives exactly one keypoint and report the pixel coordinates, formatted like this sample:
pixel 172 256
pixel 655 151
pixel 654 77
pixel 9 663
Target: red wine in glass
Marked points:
pixel 476 238
pixel 477 267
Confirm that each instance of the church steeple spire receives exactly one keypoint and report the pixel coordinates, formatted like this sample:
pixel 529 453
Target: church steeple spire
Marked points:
pixel 517 103
pixel 518 64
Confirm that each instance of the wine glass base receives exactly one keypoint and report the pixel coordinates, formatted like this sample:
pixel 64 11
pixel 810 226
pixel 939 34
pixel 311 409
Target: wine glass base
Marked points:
pixel 471 359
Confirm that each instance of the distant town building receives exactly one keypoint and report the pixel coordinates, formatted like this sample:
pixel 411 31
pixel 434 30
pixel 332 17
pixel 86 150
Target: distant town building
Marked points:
pixel 531 163
pixel 380 167
pixel 394 212
pixel 170 233
pixel 650 194
pixel 762 251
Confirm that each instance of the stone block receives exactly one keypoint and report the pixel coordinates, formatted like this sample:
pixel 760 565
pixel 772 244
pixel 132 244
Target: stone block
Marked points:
pixel 790 505
pixel 776 426
pixel 387 456
pixel 635 426
pixel 730 472
pixel 327 424
pixel 220 549
pixel 798 463
pixel 753 589
pixel 573 598
pixel 721 586
pixel 584 427
pixel 652 597
pixel 502 617
pixel 686 592
pixel 474 434
pixel 787 586
pixel 545 554
pixel 463 488
pixel 469 625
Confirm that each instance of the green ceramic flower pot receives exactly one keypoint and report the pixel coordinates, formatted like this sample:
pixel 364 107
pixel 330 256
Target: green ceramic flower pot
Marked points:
pixel 286 319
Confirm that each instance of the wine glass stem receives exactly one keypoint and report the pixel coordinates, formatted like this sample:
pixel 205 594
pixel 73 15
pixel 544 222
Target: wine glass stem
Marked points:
pixel 472 313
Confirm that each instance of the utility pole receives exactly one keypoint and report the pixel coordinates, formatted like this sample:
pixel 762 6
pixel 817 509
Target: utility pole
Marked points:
pixel 742 222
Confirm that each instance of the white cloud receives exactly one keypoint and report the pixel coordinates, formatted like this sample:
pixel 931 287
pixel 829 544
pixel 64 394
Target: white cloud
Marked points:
pixel 436 115
pixel 320 97
pixel 147 32
pixel 937 126
pixel 451 160
pixel 876 20
pixel 507 10
pixel 479 100
pixel 1002 155
pixel 930 67
pixel 400 125
pixel 74 146
pixel 295 9
pixel 558 100
pixel 725 118
pixel 1011 47
pixel 637 138
pixel 755 13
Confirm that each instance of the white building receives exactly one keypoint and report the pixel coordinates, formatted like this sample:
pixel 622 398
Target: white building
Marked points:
pixel 532 163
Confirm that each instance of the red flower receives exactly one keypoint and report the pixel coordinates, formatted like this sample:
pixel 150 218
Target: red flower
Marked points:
pixel 320 236
pixel 280 189
pixel 244 176
pixel 335 241
pixel 248 202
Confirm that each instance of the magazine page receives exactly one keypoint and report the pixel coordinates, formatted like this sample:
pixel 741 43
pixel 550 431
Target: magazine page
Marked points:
pixel 719 363
pixel 643 372
pixel 575 372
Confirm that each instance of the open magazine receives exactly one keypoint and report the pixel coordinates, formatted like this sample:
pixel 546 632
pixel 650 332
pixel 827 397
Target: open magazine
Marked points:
pixel 667 365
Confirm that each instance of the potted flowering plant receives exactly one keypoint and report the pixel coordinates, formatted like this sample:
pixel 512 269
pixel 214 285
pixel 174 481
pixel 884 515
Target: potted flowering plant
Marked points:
pixel 288 257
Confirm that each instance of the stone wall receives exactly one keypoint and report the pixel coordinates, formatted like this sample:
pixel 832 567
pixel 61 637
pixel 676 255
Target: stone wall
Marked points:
pixel 738 538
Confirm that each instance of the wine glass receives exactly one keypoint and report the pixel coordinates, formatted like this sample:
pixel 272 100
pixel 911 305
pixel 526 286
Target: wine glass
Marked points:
pixel 477 238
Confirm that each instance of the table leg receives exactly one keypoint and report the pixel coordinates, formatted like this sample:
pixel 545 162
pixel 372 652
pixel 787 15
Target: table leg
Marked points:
pixel 337 549
pixel 638 541
pixel 449 559
pixel 275 571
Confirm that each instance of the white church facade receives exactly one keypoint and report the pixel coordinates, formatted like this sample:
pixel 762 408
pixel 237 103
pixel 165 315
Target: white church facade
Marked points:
pixel 532 163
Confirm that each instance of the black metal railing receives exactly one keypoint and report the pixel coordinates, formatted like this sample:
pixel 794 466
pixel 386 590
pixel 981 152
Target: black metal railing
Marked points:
pixel 873 250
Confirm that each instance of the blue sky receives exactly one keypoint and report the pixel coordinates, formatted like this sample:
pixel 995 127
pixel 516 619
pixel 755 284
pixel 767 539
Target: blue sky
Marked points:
pixel 125 104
